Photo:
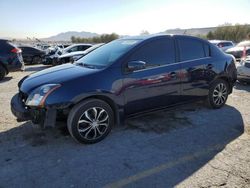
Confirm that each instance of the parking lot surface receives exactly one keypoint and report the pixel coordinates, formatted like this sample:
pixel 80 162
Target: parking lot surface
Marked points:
pixel 191 146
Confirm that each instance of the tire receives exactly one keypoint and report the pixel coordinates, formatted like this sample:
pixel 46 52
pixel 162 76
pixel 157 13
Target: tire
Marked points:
pixel 54 62
pixel 218 94
pixel 3 72
pixel 36 60
pixel 90 121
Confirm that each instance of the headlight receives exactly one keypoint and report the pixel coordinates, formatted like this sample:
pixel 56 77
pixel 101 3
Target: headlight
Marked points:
pixel 39 95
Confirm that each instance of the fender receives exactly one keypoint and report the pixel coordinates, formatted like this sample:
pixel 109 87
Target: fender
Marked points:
pixel 116 105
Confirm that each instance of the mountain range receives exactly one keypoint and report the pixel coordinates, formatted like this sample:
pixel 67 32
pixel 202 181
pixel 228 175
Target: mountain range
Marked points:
pixel 191 31
pixel 66 36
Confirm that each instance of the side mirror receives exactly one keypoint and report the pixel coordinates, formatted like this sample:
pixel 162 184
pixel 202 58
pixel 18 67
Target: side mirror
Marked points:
pixel 136 65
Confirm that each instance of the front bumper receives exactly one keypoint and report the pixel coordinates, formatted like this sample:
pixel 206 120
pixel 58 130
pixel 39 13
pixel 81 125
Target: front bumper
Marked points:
pixel 43 117
pixel 243 73
pixel 18 109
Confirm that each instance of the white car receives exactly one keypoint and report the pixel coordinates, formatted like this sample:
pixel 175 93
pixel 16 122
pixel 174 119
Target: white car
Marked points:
pixel 243 71
pixel 53 53
pixel 74 56
pixel 223 44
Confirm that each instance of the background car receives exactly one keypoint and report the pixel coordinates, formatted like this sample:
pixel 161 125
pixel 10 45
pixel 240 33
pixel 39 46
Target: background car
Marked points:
pixel 222 44
pixel 243 71
pixel 43 46
pixel 74 56
pixel 237 51
pixel 76 47
pixel 10 58
pixel 62 46
pixel 32 55
pixel 53 53
pixel 123 78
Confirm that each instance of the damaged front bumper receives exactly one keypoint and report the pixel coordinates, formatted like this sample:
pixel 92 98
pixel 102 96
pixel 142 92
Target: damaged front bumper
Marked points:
pixel 46 117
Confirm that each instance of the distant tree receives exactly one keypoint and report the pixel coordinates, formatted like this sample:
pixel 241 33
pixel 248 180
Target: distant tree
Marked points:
pixel 105 38
pixel 73 39
pixel 235 33
pixel 144 32
pixel 210 35
pixel 202 36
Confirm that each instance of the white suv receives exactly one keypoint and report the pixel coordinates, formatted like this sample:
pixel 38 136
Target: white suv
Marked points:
pixel 222 44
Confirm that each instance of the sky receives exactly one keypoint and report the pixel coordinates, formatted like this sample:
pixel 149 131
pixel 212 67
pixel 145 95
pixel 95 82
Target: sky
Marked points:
pixel 44 18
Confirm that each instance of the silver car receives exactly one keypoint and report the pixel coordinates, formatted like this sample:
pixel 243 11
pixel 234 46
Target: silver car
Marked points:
pixel 222 44
pixel 243 70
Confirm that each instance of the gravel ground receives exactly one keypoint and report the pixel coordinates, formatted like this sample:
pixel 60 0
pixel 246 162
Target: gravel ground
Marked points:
pixel 191 146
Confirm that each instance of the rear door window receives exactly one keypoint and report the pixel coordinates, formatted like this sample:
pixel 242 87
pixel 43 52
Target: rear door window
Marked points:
pixel 190 49
pixel 82 48
pixel 73 49
pixel 228 44
pixel 156 53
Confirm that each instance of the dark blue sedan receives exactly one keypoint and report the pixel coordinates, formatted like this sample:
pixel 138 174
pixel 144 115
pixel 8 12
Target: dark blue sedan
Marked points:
pixel 124 78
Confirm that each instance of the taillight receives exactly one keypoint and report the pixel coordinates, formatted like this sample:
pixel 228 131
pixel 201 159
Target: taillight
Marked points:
pixel 16 50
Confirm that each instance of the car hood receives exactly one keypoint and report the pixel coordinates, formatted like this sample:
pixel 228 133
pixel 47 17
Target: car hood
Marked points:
pixel 73 54
pixel 54 75
pixel 236 49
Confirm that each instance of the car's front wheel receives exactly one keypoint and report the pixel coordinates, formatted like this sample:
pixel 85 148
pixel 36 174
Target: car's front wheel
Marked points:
pixel 218 94
pixel 90 121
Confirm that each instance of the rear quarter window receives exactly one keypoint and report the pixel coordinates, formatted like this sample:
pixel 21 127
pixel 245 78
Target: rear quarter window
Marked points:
pixel 207 50
pixel 191 49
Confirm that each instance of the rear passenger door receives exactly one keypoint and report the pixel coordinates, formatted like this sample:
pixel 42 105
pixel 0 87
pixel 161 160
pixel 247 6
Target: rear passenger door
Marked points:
pixel 158 84
pixel 196 67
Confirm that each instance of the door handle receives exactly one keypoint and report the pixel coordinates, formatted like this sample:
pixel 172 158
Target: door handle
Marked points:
pixel 209 66
pixel 173 74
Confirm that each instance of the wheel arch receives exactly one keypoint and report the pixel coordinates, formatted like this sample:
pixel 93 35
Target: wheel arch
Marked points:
pixel 109 101
pixel 225 78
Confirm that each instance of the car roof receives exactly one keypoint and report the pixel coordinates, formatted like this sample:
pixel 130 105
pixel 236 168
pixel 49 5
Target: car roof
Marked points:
pixel 218 41
pixel 80 44
pixel 27 46
pixel 4 40
pixel 148 37
pixel 144 37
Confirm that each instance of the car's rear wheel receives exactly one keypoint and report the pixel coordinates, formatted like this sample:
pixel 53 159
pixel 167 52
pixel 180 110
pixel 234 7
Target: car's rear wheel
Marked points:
pixel 36 60
pixel 90 121
pixel 218 94
pixel 2 72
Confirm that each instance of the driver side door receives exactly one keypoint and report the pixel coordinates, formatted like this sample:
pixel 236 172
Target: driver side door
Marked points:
pixel 158 84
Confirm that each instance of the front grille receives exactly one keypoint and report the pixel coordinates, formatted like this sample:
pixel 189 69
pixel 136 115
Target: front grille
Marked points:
pixel 247 64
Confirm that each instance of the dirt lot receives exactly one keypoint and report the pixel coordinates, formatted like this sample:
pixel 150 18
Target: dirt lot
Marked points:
pixel 190 147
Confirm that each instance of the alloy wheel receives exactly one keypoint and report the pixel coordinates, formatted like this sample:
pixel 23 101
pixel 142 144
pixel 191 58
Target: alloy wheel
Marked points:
pixel 93 123
pixel 220 94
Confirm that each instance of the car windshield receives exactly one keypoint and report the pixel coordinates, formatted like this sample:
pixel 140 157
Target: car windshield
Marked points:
pixel 93 48
pixel 70 47
pixel 107 54
pixel 244 43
